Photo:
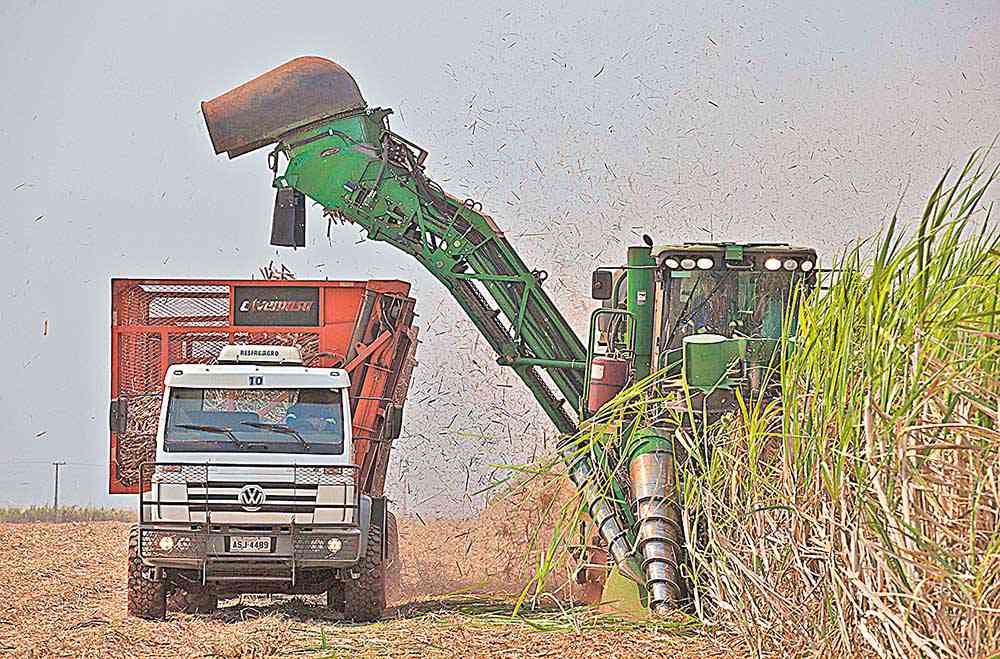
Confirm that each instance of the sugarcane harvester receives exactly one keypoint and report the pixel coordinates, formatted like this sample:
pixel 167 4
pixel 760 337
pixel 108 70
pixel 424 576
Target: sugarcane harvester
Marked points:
pixel 711 314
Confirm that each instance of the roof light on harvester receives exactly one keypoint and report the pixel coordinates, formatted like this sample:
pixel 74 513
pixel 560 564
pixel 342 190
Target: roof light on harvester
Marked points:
pixel 806 266
pixel 687 264
pixel 705 263
pixel 790 264
pixel 672 263
pixel 772 264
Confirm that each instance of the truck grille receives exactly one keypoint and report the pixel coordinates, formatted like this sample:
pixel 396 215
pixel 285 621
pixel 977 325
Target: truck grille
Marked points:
pixel 223 496
pixel 197 492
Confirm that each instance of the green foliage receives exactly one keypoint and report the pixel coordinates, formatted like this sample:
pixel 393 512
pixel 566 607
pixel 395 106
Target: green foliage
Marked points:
pixel 861 508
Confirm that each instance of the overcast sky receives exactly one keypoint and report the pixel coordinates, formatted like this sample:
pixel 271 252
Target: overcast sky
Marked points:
pixel 578 125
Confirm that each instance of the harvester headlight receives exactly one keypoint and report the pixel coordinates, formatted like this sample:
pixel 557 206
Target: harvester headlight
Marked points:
pixel 166 543
pixel 333 545
pixel 705 263
pixel 806 266
pixel 672 263
pixel 790 264
pixel 772 264
pixel 687 264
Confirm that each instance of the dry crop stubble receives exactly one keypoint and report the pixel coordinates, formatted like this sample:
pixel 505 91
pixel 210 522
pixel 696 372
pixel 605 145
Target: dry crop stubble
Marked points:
pixel 64 594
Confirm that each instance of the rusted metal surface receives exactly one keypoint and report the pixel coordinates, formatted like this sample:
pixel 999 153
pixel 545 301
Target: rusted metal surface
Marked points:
pixel 290 96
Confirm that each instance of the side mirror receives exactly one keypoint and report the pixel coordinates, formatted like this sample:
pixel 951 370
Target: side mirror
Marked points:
pixel 118 415
pixel 601 285
pixel 288 224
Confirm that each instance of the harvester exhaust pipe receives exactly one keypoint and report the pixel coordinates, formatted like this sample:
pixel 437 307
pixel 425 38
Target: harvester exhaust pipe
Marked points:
pixel 609 525
pixel 660 536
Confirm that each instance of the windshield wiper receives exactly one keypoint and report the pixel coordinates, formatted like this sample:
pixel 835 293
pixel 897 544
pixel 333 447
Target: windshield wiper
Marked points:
pixel 228 432
pixel 279 428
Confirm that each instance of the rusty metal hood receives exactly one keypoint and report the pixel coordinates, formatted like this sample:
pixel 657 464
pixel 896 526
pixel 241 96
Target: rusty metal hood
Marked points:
pixel 295 94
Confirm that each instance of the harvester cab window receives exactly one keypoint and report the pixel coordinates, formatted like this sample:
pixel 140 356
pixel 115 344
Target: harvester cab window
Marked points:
pixel 697 304
pixel 264 420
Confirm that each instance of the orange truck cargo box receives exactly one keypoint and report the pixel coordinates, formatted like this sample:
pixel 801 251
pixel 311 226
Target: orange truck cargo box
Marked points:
pixel 365 327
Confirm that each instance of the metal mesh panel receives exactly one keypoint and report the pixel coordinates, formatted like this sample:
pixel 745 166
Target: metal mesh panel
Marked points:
pixel 174 304
pixel 316 545
pixel 204 348
pixel 140 386
pixel 185 544
pixel 307 342
pixel 139 363
pixel 324 475
pixel 195 347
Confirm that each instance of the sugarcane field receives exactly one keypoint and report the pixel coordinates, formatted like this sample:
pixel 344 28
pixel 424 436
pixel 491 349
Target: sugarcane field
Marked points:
pixel 516 329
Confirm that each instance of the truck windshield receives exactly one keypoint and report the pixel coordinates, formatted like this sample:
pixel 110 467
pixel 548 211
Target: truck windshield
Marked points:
pixel 265 420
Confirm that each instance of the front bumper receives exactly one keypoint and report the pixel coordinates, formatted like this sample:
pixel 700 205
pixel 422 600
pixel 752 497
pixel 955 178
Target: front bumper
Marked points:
pixel 207 549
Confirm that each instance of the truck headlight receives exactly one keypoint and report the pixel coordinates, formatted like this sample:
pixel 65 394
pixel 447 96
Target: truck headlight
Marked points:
pixel 166 543
pixel 334 545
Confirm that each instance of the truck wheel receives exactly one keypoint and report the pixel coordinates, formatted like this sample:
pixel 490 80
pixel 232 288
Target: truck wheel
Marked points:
pixel 146 598
pixel 364 597
pixel 335 597
pixel 192 602
pixel 393 567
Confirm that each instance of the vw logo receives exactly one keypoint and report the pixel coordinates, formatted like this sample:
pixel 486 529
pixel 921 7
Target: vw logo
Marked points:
pixel 252 497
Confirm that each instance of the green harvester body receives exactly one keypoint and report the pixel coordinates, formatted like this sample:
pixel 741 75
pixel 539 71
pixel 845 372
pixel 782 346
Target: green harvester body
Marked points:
pixel 710 315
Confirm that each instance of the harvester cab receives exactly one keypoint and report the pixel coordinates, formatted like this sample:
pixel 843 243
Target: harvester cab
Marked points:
pixel 712 316
pixel 717 313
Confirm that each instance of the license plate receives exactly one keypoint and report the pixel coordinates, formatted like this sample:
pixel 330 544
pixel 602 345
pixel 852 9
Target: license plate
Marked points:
pixel 250 544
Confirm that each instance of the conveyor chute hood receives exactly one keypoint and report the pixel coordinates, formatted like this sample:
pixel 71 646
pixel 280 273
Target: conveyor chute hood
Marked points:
pixel 293 95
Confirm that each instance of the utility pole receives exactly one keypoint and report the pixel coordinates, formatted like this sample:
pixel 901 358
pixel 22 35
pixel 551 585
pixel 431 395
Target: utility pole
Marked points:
pixel 55 496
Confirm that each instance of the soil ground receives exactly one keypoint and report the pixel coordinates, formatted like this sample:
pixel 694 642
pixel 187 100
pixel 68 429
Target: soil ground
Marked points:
pixel 62 589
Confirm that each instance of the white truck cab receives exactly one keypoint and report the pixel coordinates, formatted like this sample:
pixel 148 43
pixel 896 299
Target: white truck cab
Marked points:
pixel 253 488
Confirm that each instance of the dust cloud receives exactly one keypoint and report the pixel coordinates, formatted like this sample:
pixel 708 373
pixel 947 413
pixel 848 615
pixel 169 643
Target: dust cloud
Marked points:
pixel 730 124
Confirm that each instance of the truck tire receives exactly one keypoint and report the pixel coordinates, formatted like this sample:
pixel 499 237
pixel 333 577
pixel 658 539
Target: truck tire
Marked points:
pixel 146 598
pixel 335 597
pixel 393 567
pixel 364 597
pixel 186 601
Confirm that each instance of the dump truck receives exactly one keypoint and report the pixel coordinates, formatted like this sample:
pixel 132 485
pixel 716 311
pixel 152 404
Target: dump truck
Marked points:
pixel 255 420
pixel 703 322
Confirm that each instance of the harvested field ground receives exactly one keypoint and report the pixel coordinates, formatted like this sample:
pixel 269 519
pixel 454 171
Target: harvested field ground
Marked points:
pixel 62 588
